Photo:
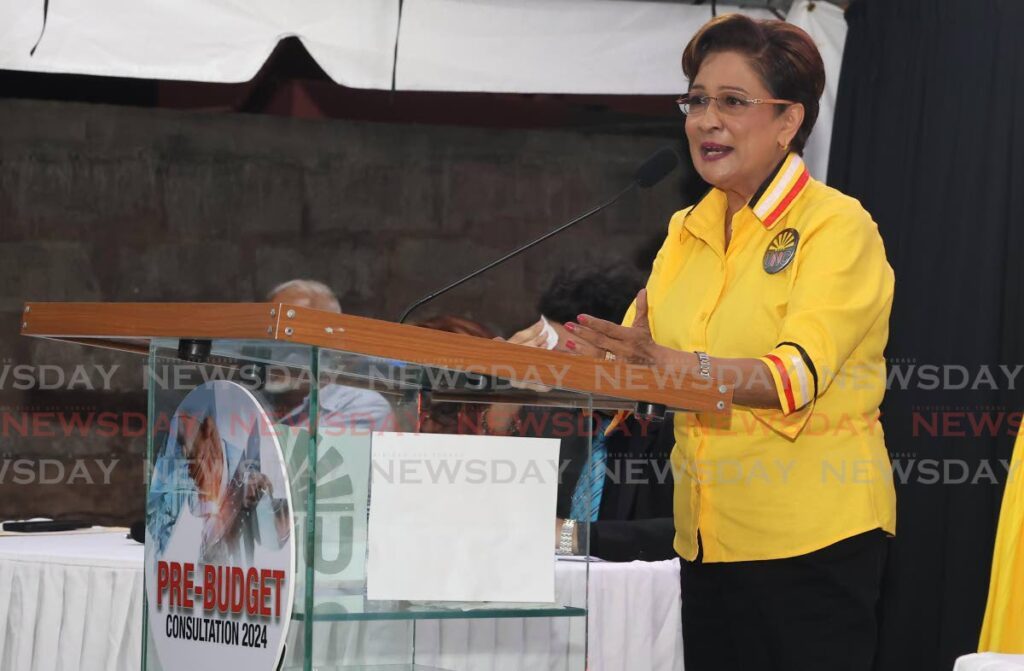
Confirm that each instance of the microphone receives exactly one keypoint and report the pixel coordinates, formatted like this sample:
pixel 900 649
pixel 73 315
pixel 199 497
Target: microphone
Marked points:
pixel 652 171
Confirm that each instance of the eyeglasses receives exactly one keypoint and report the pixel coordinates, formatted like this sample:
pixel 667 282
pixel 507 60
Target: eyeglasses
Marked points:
pixel 730 105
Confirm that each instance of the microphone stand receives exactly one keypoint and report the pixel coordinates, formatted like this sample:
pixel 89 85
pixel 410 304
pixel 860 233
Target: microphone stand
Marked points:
pixel 516 252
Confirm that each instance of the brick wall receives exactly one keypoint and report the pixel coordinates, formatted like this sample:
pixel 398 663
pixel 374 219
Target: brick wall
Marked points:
pixel 129 204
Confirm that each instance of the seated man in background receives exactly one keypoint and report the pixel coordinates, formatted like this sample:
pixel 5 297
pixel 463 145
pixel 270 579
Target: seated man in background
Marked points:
pixel 625 488
pixel 305 294
pixel 341 406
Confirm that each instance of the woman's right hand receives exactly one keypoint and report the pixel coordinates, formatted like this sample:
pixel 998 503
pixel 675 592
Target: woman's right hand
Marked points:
pixel 531 336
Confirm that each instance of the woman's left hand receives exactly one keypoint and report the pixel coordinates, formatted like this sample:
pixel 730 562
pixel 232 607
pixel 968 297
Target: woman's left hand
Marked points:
pixel 629 344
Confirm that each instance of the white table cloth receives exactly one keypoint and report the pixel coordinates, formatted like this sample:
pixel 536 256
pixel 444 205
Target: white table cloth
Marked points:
pixel 990 661
pixel 73 602
pixel 70 602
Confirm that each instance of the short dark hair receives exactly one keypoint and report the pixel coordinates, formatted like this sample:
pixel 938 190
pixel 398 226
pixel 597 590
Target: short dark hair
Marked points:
pixel 453 324
pixel 784 57
pixel 603 291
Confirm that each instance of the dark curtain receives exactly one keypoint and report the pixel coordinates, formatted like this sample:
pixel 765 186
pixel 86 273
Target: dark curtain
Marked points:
pixel 929 136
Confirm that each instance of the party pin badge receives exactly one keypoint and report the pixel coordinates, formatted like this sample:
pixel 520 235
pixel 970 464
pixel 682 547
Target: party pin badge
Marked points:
pixel 781 250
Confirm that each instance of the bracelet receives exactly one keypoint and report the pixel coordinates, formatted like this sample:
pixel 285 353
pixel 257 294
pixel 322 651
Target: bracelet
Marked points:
pixel 705 364
pixel 565 539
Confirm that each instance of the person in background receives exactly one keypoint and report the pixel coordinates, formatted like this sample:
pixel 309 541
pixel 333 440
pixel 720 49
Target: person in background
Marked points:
pixel 305 294
pixel 461 325
pixel 606 288
pixel 341 407
pixel 439 417
pixel 777 285
pixel 624 490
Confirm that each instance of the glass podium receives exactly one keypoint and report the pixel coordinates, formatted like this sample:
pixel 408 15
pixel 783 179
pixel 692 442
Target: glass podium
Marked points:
pixel 329 386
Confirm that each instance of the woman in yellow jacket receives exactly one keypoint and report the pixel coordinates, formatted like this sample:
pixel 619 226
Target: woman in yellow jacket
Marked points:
pixel 779 285
pixel 1003 628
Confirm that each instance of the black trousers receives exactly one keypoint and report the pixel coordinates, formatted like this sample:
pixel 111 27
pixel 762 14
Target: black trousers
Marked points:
pixel 817 611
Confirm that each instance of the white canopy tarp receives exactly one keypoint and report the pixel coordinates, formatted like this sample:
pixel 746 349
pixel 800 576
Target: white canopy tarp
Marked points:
pixel 518 46
pixel 199 40
pixel 826 24
pixel 548 46
pixel 612 47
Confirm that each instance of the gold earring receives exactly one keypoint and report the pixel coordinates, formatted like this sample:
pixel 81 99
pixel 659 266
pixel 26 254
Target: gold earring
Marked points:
pixel 783 145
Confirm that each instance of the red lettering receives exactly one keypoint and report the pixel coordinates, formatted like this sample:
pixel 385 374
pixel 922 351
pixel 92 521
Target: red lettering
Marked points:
pixel 174 585
pixel 750 423
pixel 931 429
pixel 236 588
pixel 562 424
pixel 952 423
pixel 532 424
pixel 988 422
pixel 470 423
pixel 265 575
pixel 644 424
pixel 585 425
pixel 209 587
pixel 140 419
pixel 844 424
pixel 232 589
pixel 161 423
pixel 240 425
pixel 223 589
pixel 74 421
pixel 107 424
pixel 252 591
pixel 1013 423
pixel 162 573
pixel 187 586
pixel 871 421
pixel 817 431
pixel 21 429
pixel 40 420
pixel 278 576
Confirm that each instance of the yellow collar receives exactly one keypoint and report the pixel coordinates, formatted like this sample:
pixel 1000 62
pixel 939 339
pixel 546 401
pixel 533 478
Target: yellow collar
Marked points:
pixel 779 191
pixel 769 203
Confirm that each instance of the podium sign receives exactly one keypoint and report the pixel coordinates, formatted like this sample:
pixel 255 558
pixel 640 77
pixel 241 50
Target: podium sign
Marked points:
pixel 220 548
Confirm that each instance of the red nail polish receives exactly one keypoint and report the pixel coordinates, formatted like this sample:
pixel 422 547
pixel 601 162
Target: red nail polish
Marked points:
pixel 570 344
pixel 569 326
pixel 581 319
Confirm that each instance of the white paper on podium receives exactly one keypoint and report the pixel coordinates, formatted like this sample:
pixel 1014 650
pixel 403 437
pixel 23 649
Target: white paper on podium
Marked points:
pixel 462 518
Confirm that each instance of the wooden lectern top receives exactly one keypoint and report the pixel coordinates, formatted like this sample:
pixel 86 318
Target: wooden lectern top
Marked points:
pixel 131 326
